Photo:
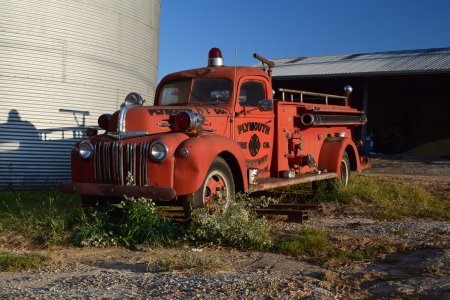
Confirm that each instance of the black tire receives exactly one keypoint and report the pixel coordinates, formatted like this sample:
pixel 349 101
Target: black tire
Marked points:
pixel 219 176
pixel 343 177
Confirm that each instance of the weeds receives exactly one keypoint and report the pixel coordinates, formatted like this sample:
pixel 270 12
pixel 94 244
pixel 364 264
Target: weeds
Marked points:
pixel 142 225
pixel 94 230
pixel 392 198
pixel 316 245
pixel 139 224
pixel 312 242
pixel 181 261
pixel 47 216
pixel 10 262
pixel 238 226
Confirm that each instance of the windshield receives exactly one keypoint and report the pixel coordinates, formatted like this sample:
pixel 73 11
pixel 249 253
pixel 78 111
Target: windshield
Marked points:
pixel 196 90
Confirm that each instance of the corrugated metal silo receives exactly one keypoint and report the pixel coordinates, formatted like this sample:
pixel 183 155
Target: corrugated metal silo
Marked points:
pixel 62 64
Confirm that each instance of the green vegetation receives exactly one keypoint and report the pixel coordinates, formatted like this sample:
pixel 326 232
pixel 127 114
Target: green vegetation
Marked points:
pixel 51 218
pixel 10 262
pixel 316 245
pixel 139 224
pixel 238 226
pixel 57 219
pixel 391 198
pixel 181 261
pixel 46 216
pixel 312 242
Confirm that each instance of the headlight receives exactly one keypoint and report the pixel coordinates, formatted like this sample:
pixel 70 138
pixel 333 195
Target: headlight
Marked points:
pixel 133 99
pixel 85 149
pixel 158 151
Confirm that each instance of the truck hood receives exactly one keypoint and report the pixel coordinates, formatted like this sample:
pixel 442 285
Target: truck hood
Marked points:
pixel 144 120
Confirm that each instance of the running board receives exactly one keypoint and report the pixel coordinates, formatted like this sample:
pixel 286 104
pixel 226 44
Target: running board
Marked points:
pixel 271 183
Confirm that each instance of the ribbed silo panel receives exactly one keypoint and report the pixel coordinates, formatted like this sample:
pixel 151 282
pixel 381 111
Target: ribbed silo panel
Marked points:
pixel 63 63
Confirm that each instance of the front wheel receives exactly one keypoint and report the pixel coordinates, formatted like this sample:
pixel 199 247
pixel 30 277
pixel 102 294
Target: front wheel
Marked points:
pixel 217 189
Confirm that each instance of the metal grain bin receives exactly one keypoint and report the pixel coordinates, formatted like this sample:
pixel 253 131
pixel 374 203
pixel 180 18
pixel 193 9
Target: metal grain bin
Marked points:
pixel 62 64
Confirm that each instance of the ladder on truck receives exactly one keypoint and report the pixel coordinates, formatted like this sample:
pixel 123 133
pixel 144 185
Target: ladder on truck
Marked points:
pixel 299 96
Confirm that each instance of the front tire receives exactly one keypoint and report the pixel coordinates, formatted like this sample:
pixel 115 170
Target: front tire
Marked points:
pixel 216 191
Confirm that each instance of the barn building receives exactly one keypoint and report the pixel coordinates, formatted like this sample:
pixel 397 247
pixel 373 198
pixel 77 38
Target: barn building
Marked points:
pixel 405 94
pixel 64 63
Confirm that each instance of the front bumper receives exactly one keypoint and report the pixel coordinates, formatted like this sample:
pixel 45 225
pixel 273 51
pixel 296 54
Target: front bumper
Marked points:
pixel 115 190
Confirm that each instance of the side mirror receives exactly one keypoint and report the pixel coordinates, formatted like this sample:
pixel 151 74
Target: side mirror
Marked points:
pixel 265 105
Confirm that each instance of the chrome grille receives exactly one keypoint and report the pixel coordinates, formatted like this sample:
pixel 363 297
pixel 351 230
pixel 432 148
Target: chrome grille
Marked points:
pixel 115 160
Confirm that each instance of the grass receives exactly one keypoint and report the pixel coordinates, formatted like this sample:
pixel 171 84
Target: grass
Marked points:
pixel 311 242
pixel 57 219
pixel 139 224
pixel 44 215
pixel 181 261
pixel 391 198
pixel 238 226
pixel 316 245
pixel 11 262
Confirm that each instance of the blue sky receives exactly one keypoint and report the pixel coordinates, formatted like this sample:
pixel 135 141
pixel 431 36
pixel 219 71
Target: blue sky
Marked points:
pixel 293 28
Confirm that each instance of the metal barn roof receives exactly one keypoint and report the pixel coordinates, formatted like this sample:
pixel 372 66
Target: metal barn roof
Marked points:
pixel 433 60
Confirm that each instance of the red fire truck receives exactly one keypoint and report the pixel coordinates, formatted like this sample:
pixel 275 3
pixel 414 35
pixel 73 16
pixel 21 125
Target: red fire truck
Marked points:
pixel 212 132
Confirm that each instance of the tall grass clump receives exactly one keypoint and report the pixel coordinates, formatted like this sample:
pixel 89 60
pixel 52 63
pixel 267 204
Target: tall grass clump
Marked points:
pixel 94 229
pixel 142 225
pixel 130 223
pixel 316 245
pixel 392 198
pixel 47 216
pixel 237 226
pixel 11 262
pixel 311 242
pixel 181 261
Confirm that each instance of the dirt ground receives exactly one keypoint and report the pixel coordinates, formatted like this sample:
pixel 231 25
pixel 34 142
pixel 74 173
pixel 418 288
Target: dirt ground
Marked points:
pixel 418 268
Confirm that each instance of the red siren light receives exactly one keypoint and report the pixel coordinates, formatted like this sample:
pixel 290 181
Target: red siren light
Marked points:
pixel 183 121
pixel 215 58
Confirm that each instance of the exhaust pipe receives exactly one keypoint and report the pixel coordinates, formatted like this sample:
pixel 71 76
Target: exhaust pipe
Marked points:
pixel 313 119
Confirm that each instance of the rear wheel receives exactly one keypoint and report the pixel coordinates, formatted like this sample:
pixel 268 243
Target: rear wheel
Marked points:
pixel 343 176
pixel 345 170
pixel 217 189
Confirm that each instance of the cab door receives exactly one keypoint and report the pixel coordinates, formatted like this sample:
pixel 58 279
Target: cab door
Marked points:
pixel 254 123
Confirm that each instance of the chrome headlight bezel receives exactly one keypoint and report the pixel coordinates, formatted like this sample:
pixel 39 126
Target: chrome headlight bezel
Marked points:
pixel 85 149
pixel 158 151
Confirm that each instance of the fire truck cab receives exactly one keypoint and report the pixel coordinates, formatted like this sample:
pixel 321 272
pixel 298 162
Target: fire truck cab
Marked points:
pixel 214 131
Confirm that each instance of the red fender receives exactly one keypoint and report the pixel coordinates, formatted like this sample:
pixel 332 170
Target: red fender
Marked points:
pixel 332 151
pixel 190 172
